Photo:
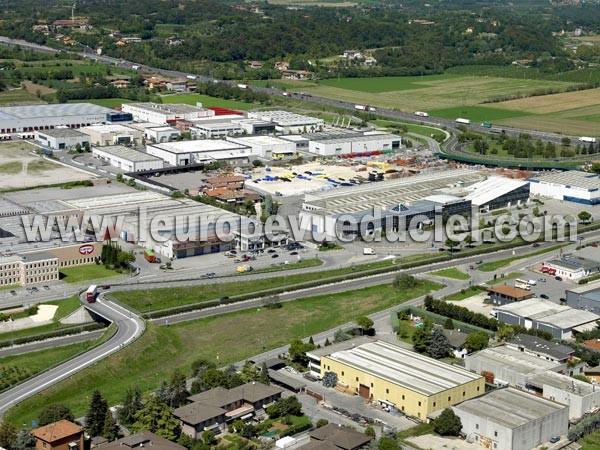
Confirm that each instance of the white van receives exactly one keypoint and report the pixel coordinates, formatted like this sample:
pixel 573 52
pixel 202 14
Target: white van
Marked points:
pixel 368 251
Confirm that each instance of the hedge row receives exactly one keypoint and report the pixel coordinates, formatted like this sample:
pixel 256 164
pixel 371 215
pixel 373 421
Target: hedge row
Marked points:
pixel 52 334
pixel 440 320
pixel 295 430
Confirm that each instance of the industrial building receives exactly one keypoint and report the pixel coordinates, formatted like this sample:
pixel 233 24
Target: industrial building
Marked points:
pixel 579 396
pixel 541 348
pixel 165 113
pixel 586 297
pixel 18 119
pixel 509 419
pixel 215 130
pixel 573 267
pixel 401 379
pixel 112 134
pixel 266 146
pixel 28 270
pixel 398 201
pixel 255 126
pixel 161 134
pixel 572 185
pixel 498 192
pixel 61 138
pixel 505 365
pixel 200 151
pixel 559 320
pixel 127 159
pixel 503 294
pixel 288 122
pixel 349 143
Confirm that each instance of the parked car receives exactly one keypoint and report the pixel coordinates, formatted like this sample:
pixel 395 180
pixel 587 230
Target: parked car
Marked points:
pixel 13 292
pixel 543 280
pixel 554 439
pixel 535 245
pixel 563 300
pixel 558 278
pixel 46 287
pixel 106 286
pixel 275 255
pixel 479 261
pixel 544 296
pixel 271 250
pixel 293 253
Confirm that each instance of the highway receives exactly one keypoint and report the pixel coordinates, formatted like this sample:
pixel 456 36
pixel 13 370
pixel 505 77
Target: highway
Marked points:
pixel 129 328
pixel 89 53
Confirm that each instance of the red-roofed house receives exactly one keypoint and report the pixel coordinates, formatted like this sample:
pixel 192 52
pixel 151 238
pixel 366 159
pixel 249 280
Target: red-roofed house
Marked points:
pixel 61 435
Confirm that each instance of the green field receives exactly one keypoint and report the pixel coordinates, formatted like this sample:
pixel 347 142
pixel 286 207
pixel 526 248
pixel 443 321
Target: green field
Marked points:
pixel 223 339
pixel 86 273
pixel 207 101
pixel 85 68
pixel 35 362
pixel 11 168
pixel 310 262
pixel 17 96
pixel 476 113
pixel 495 265
pixel 412 128
pixel 384 84
pixel 452 272
pixel 460 295
pixel 510 276
pixel 591 442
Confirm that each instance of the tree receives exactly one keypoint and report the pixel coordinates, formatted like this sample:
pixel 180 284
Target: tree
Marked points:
pixel 565 141
pixel 249 372
pixel 131 405
pixel 289 406
pixel 447 423
pixel 422 337
pixel 177 388
pixel 110 430
pixel 321 423
pixel 327 343
pixel 405 281
pixel 596 168
pixel 155 416
pixel 8 435
pixel 208 437
pixel 584 216
pixel 96 416
pixel 448 324
pixel 388 443
pixel 365 324
pixel 450 243
pixel 477 341
pixel 468 240
pixel 298 351
pixel 439 347
pixel 200 366
pixel 370 431
pixel 24 440
pixel 263 376
pixel 505 332
pixel 249 431
pixel 54 413
pixel 213 378
pixel 78 148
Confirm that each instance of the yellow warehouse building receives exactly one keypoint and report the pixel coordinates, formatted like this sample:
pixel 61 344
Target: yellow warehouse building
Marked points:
pixel 412 383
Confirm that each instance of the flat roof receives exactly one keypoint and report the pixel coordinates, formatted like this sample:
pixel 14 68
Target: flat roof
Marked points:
pixel 336 137
pixel 165 128
pixel 509 407
pixel 404 367
pixel 560 316
pixel 542 346
pixel 571 178
pixel 514 360
pixel 62 133
pixel 285 118
pixel 199 146
pixel 127 153
pixel 388 194
pixel 259 140
pixel 492 188
pixel 586 288
pixel 167 108
pixel 108 128
pixel 53 110
pixel 563 382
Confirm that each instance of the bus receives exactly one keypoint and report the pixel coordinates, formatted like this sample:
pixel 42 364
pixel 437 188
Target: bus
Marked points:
pixel 91 293
pixel 522 284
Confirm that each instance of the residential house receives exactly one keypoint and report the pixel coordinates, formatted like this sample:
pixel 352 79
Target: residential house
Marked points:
pixel 522 62
pixel 352 54
pixel 503 294
pixel 174 41
pixel 226 195
pixel 282 65
pixel 142 439
pixel 120 83
pixel 593 374
pixel 177 85
pixel 61 435
pixel 457 340
pixel 81 23
pixel 255 64
pixel 295 74
pixel 213 409
pixel 341 437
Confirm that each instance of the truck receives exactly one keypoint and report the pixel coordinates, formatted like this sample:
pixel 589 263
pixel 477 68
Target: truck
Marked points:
pixel 287 94
pixel 421 114
pixel 134 67
pixel 371 109
pixel 46 151
pixel 191 77
pixel 368 251
pixel 244 268
pixel 549 270
pixel 149 255
pixel 243 86
pixel 588 140
pixel 360 107
pixel 461 120
pixel 91 294
pixel 486 124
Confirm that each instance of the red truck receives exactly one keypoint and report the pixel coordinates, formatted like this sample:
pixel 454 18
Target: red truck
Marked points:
pixel 149 255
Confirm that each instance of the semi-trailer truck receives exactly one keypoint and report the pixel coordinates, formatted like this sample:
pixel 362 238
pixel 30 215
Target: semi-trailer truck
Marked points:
pixel 589 140
pixel 421 114
pixel 486 124
pixel 243 86
pixel 464 121
pixel 91 293
pixel 192 77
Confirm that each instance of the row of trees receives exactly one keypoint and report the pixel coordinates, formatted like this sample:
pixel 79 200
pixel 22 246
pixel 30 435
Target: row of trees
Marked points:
pixel 113 255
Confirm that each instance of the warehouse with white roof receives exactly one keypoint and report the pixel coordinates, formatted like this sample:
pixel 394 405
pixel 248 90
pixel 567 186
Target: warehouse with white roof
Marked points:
pixel 182 153
pixel 266 146
pixel 498 192
pixel 289 122
pixel 401 379
pixel 165 113
pixel 18 119
pixel 127 159
pixel 112 134
pixel 338 143
pixel 573 186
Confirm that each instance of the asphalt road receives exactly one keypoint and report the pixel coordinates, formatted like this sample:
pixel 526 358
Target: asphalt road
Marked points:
pixel 50 343
pixel 129 328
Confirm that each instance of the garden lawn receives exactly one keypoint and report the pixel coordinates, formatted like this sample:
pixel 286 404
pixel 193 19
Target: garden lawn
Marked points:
pixel 495 265
pixel 591 442
pixel 451 272
pixel 86 273
pixel 224 339
pixel 510 276
pixel 470 292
